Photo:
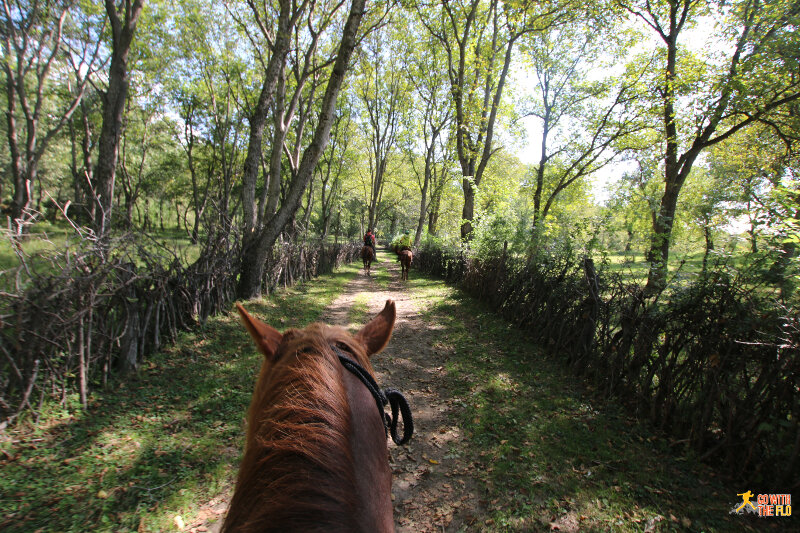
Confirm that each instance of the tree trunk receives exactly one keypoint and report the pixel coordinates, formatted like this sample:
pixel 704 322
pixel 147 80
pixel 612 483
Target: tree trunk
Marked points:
pixel 129 343
pixel 752 232
pixel 32 38
pixel 474 140
pixel 468 212
pixel 709 243
pixel 21 199
pixel 433 218
pixel 81 167
pixel 87 181
pixel 658 255
pixel 540 170
pixel 423 206
pixel 113 108
pixel 257 244
pixel 307 214
pixel 258 119
pixel 376 189
pixel 629 241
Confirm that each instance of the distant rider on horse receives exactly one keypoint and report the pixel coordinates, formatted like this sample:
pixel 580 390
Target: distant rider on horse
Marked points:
pixel 404 243
pixel 369 240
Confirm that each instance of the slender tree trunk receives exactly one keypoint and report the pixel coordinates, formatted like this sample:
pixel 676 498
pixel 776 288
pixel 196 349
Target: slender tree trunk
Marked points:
pixel 709 244
pixel 377 193
pixel 433 215
pixel 22 196
pixel 658 255
pixel 114 107
pixel 307 214
pixel 255 252
pixel 199 199
pixel 252 249
pixel 423 202
pixel 31 44
pixel 752 231
pixel 538 216
pixel 629 241
pixel 468 211
pixel 87 181
pixel 82 381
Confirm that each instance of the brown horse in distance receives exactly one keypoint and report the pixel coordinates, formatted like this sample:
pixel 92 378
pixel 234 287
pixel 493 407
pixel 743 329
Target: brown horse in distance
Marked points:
pixel 367 255
pixel 405 263
pixel 315 455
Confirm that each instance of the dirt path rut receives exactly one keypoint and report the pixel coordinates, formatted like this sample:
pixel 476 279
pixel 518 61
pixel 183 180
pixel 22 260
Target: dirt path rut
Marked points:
pixel 432 482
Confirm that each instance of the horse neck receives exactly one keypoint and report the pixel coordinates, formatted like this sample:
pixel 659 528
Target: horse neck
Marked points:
pixel 373 475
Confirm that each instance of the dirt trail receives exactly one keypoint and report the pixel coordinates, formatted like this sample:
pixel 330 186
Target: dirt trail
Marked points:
pixel 432 484
pixel 432 481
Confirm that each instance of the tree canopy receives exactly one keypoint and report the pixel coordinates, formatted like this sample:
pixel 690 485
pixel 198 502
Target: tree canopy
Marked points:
pixel 283 120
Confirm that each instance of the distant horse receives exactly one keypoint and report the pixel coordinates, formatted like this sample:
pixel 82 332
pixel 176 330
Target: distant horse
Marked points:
pixel 405 263
pixel 367 255
pixel 315 453
pixel 398 248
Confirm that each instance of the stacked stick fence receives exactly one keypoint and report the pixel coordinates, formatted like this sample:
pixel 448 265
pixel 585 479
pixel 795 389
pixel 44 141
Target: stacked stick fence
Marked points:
pixel 66 328
pixel 713 362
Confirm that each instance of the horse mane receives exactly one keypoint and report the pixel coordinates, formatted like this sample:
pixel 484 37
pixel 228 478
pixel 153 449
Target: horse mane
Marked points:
pixel 298 472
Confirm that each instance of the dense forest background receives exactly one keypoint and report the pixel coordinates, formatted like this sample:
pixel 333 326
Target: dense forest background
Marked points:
pixel 167 155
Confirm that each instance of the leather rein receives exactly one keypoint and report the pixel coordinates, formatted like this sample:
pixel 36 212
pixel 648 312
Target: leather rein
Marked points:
pixel 392 397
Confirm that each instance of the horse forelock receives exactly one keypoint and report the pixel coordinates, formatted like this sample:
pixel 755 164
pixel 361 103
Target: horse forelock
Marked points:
pixel 298 471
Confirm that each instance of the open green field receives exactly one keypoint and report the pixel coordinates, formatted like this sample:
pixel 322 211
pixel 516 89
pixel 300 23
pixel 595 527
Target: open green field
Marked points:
pixel 683 263
pixel 36 252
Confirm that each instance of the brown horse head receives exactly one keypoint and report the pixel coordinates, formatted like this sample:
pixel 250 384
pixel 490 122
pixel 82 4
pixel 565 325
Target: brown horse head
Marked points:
pixel 315 456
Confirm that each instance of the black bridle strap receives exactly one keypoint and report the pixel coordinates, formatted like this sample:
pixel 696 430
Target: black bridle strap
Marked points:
pixel 392 397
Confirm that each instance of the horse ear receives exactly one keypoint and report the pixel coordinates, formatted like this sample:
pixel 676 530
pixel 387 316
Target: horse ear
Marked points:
pixel 266 337
pixel 377 332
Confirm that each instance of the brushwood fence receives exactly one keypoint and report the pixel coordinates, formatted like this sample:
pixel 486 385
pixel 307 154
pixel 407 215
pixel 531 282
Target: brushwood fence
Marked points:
pixel 714 362
pixel 92 312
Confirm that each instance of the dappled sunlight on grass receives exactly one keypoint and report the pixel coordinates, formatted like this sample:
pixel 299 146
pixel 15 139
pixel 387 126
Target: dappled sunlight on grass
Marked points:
pixel 550 454
pixel 157 445
pixel 359 312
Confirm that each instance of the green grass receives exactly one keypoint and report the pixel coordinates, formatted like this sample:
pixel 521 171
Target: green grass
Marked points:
pixel 50 240
pixel 682 263
pixel 157 446
pixel 544 447
pixel 359 310
pixel 633 267
pixel 540 444
pixel 45 239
